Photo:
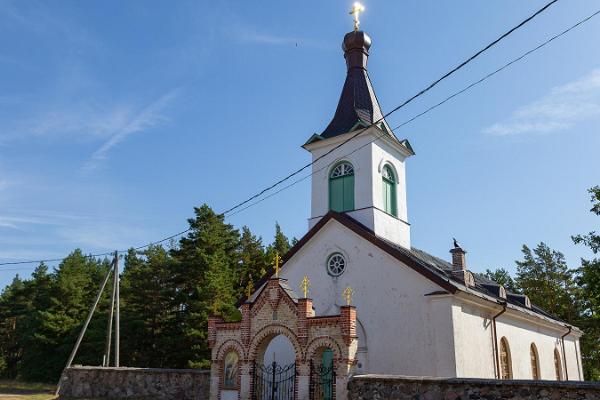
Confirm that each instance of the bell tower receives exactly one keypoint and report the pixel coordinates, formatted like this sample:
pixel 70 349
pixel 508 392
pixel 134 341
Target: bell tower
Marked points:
pixel 363 177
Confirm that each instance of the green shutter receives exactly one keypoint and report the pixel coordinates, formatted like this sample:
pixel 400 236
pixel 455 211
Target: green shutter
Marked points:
pixel 348 192
pixel 341 193
pixel 389 198
pixel 336 194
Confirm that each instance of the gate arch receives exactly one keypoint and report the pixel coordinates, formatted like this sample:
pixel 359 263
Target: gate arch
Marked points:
pixel 272 311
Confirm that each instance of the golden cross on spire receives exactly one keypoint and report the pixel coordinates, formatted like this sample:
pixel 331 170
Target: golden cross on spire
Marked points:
pixel 304 286
pixel 357 8
pixel 277 260
pixel 348 293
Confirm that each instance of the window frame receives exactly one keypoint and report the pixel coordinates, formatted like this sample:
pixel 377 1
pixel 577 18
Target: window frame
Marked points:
pixel 345 264
pixel 534 359
pixel 341 193
pixel 505 359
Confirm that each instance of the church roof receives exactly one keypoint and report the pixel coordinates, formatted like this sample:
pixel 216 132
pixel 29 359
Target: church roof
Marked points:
pixel 433 268
pixel 358 106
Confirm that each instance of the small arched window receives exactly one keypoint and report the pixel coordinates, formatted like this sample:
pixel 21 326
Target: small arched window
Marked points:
pixel 505 360
pixel 535 365
pixel 389 191
pixel 557 368
pixel 341 188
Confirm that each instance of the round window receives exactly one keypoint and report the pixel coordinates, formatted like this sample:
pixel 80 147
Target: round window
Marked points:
pixel 336 264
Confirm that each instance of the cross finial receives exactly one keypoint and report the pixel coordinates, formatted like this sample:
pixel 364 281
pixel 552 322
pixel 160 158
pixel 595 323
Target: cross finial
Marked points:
pixel 304 286
pixel 357 8
pixel 277 260
pixel 249 289
pixel 348 293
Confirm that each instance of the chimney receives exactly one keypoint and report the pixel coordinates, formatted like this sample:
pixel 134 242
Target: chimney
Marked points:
pixel 459 261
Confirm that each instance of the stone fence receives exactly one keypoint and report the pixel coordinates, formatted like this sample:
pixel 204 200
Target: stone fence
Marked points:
pixel 371 387
pixel 135 383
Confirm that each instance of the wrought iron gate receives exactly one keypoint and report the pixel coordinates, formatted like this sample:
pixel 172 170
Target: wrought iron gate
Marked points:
pixel 322 382
pixel 274 382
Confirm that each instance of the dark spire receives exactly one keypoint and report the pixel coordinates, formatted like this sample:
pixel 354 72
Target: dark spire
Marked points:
pixel 358 106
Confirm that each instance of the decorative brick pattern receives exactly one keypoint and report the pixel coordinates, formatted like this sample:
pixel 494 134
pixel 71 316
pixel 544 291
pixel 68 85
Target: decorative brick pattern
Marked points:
pixel 369 387
pixel 274 312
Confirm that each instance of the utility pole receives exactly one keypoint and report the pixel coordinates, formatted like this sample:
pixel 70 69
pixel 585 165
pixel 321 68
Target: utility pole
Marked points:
pixel 117 314
pixel 107 349
pixel 85 325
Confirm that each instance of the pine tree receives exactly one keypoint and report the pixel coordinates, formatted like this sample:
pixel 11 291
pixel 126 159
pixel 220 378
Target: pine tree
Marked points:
pixel 207 276
pixel 253 258
pixel 544 276
pixel 588 281
pixel 501 276
pixel 281 245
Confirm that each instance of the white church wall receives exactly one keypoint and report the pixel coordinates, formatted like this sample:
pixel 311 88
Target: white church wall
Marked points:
pixel 474 345
pixel 573 353
pixel 407 332
pixel 473 341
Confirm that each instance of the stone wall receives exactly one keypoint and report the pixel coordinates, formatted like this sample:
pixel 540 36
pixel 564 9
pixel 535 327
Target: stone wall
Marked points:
pixel 366 387
pixel 135 383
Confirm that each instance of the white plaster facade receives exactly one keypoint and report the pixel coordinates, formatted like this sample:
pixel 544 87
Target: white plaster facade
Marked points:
pixel 407 323
pixel 407 328
pixel 368 153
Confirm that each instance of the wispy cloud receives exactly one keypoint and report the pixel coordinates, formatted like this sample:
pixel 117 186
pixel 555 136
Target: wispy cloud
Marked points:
pixel 245 34
pixel 265 38
pixel 130 123
pixel 560 109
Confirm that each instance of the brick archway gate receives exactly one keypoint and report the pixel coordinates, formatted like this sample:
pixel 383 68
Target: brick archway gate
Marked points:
pixel 272 311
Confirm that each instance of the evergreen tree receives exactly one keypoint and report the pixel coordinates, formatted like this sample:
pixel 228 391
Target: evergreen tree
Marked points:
pixel 281 245
pixel 543 275
pixel 502 277
pixel 588 280
pixel 150 320
pixel 75 285
pixel 207 277
pixel 253 258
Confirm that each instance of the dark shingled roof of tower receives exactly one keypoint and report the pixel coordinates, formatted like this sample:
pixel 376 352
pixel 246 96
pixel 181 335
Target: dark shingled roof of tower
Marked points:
pixel 358 106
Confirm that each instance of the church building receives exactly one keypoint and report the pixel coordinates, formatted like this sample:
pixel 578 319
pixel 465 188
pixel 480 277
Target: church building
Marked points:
pixel 411 313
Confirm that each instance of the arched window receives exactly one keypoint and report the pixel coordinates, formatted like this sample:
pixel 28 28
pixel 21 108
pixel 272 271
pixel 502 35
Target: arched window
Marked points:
pixel 535 365
pixel 341 187
pixel 505 361
pixel 557 368
pixel 389 191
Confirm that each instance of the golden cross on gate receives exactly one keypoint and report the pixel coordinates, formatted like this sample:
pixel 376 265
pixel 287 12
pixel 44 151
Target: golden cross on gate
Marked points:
pixel 277 260
pixel 304 286
pixel 249 289
pixel 357 8
pixel 348 293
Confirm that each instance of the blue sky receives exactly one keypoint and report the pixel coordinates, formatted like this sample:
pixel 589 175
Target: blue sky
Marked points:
pixel 116 118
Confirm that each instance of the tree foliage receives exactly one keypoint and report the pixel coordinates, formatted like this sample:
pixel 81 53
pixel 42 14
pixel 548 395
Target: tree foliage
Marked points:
pixel 588 280
pixel 167 294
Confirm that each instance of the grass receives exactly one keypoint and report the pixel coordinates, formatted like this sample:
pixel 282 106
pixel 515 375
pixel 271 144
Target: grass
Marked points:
pixel 17 390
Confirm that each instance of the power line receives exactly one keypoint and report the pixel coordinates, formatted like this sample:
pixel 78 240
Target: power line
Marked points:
pixel 433 107
pixel 403 104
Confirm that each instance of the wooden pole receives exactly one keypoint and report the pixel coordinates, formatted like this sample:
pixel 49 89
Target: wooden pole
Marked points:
pixel 85 325
pixel 117 313
pixel 110 323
